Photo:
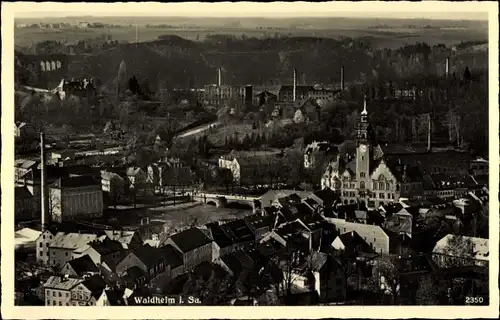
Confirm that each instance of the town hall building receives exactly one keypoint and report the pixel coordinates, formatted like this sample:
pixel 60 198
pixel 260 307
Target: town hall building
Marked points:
pixel 371 178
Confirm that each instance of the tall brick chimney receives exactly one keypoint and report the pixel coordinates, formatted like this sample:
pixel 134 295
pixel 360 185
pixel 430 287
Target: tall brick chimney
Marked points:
pixel 294 84
pixel 43 181
pixel 342 78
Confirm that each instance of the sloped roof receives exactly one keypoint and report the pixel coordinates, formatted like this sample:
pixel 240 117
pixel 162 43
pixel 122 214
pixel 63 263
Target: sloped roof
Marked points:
pixel 172 256
pixel 72 240
pixel 122 236
pixel 363 230
pixel 96 285
pixel 220 235
pixel 272 195
pixel 190 239
pixel 61 283
pixel 257 221
pixel 83 265
pixel 240 229
pixel 148 255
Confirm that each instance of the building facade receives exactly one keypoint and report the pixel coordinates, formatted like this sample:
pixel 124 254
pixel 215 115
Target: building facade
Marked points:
pixel 371 178
pixel 75 198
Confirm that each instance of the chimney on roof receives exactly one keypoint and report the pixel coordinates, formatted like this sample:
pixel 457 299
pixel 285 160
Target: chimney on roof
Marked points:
pixel 219 77
pixel 447 72
pixel 342 78
pixel 294 84
pixel 43 181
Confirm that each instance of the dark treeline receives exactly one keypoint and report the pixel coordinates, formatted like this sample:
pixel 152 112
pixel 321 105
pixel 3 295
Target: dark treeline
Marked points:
pixel 176 62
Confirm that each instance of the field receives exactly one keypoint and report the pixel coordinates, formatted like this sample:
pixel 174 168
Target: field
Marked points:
pixel 387 37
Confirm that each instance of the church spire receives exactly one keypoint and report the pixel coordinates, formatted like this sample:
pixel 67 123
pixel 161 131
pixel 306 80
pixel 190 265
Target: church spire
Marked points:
pixel 364 112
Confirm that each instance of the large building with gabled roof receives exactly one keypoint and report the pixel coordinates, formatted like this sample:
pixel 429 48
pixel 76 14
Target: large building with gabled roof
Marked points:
pixel 371 178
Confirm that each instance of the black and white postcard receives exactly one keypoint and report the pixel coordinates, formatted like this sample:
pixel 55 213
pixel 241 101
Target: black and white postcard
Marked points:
pixel 160 157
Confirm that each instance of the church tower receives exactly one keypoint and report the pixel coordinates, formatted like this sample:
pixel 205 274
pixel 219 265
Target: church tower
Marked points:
pixel 364 150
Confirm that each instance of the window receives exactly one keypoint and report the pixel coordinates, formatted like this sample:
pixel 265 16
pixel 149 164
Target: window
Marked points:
pixel 60 294
pixel 48 303
pixel 47 244
pixel 53 293
pixel 381 196
pixel 381 186
pixel 375 184
pixel 67 294
pixel 41 245
pixel 66 254
pixel 60 303
pixel 352 186
pixel 346 185
pixel 387 186
pixel 67 303
pixel 362 174
pixel 362 184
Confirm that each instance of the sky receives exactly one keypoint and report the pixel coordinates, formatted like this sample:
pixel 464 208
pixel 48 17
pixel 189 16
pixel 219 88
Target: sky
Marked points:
pixel 374 9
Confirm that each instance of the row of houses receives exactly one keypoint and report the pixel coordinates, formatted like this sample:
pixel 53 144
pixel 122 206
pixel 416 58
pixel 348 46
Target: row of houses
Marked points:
pixel 300 233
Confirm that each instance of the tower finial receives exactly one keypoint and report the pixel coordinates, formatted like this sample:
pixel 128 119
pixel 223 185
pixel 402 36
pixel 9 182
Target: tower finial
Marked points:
pixel 364 112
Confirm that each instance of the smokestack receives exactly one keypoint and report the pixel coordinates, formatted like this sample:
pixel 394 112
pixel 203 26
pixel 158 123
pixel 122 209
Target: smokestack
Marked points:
pixel 342 78
pixel 294 84
pixel 45 199
pixel 447 67
pixel 429 134
pixel 219 76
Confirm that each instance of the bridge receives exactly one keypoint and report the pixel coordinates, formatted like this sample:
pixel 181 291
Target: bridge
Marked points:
pixel 221 200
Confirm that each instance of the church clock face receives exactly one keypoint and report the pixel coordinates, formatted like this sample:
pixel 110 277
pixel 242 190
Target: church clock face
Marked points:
pixel 362 148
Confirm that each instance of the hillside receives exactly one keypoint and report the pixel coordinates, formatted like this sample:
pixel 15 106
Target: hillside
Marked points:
pixel 177 62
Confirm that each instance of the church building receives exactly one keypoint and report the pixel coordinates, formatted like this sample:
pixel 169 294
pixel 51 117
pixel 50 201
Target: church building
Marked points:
pixel 371 178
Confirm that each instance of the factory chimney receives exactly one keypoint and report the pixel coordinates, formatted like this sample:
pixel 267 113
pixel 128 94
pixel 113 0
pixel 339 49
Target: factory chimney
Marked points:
pixel 43 181
pixel 219 77
pixel 342 78
pixel 447 67
pixel 429 134
pixel 294 84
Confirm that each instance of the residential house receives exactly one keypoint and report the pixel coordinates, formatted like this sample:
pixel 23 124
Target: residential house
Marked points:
pixel 25 204
pixel 42 246
pixel 105 254
pixel 271 197
pixel 57 290
pixel 127 238
pixel 90 292
pixel 195 247
pixel 471 251
pixel 74 198
pixel 375 236
pixel 401 222
pixel 352 243
pixel 61 247
pixel 242 233
pixel 223 237
pixel 152 262
pixel 259 225
pixel 22 167
pixel 325 275
pixel 80 267
pixel 236 263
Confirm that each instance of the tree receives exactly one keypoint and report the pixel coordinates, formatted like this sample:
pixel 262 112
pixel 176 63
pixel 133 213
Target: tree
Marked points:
pixel 386 279
pixel 459 252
